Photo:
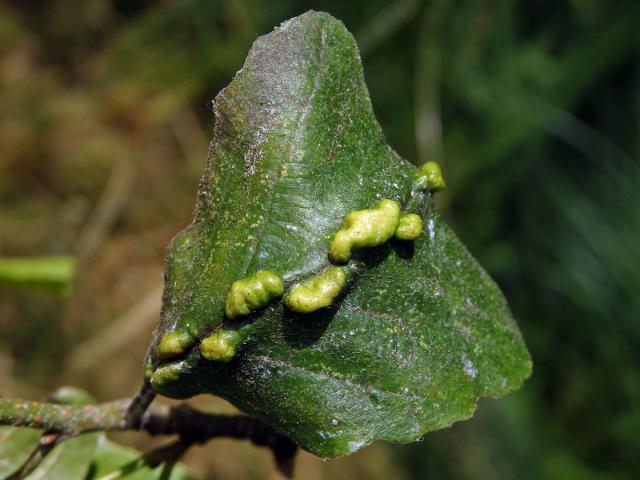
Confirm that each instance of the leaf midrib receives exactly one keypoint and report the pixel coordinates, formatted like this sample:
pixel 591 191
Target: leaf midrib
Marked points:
pixel 325 376
pixel 296 137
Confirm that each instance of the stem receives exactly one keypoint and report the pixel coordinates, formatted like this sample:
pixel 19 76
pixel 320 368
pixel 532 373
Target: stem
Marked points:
pixel 68 419
pixel 139 405
pixel 193 426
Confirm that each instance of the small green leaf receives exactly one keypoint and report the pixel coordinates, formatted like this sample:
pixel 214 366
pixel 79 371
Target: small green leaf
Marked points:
pixel 70 459
pixel 69 395
pixel 16 445
pixel 418 333
pixel 113 461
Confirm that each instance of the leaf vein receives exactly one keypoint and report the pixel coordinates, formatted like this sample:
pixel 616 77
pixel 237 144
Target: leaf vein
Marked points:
pixel 325 376
pixel 301 118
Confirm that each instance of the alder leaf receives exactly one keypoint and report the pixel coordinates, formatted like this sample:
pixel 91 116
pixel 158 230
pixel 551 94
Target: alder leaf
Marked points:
pixel 16 445
pixel 115 461
pixel 70 459
pixel 419 333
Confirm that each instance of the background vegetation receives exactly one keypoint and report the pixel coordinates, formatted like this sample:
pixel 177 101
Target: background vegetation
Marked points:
pixel 532 107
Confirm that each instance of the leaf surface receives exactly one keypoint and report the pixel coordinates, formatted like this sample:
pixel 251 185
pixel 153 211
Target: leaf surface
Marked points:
pixel 16 444
pixel 420 332
pixel 111 461
pixel 70 459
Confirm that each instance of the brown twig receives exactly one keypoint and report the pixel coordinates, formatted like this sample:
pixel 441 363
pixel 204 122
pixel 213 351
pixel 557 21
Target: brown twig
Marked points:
pixel 139 405
pixel 199 427
pixel 191 425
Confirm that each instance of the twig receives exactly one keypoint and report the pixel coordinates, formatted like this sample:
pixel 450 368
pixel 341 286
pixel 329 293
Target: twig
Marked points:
pixel 68 419
pixel 191 425
pixel 199 427
pixel 139 405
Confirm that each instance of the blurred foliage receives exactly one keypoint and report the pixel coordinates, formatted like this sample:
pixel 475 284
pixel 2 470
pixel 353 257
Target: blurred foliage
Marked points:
pixel 111 460
pixel 49 273
pixel 532 107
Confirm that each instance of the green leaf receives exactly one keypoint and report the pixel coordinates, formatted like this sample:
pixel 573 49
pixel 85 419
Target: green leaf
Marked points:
pixel 89 456
pixel 16 445
pixel 70 459
pixel 68 395
pixel 114 461
pixel 419 333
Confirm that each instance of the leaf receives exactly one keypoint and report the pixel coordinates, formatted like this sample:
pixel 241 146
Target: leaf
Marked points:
pixel 70 459
pixel 110 459
pixel 16 444
pixel 421 331
pixel 90 456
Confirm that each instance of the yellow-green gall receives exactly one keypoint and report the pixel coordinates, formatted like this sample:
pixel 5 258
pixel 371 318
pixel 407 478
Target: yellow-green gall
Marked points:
pixel 409 227
pixel 168 373
pixel 221 345
pixel 430 176
pixel 317 292
pixel 147 368
pixel 173 344
pixel 254 292
pixel 365 228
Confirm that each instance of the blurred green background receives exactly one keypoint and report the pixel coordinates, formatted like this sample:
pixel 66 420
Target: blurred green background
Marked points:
pixel 532 108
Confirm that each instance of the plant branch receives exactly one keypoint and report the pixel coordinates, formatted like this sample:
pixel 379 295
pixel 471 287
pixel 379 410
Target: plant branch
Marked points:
pixel 139 405
pixel 191 425
pixel 67 419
